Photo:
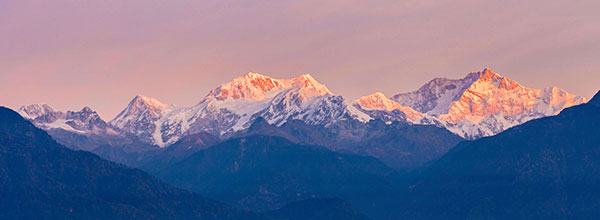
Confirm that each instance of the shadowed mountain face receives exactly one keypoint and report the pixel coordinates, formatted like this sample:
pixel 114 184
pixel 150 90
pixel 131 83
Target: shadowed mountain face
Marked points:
pixel 317 209
pixel 186 146
pixel 264 172
pixel 41 179
pixel 544 169
pixel 399 145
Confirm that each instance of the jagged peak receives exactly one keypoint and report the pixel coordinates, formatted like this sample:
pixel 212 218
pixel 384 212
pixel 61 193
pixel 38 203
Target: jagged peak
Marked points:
pixel 378 94
pixel 86 112
pixel 254 75
pixel 488 71
pixel 143 101
pixel 307 77
pixel 37 105
pixel 375 96
pixel 33 111
pixel 250 76
pixel 486 74
pixel 87 109
pixel 140 104
pixel 378 101
pixel 256 86
pixel 308 81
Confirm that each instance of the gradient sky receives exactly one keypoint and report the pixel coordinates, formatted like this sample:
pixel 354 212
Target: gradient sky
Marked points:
pixel 71 54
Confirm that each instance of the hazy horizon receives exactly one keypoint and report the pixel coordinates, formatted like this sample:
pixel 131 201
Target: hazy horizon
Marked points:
pixel 71 54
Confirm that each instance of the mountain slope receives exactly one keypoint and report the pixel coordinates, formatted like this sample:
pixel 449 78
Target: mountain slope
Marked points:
pixel 42 179
pixel 547 168
pixel 263 173
pixel 399 145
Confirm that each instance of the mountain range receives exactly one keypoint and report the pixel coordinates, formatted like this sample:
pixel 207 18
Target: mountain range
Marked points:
pixel 481 147
pixel 481 104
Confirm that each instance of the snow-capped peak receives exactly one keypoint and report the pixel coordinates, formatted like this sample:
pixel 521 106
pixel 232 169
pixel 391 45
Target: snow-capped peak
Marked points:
pixel 487 76
pixel 485 103
pixel 140 114
pixel 309 86
pixel 140 101
pixel 378 101
pixel 34 111
pixel 249 86
pixel 275 99
pixel 307 81
pixel 85 121
pixel 480 104
pixel 231 107
pixel 139 105
pixel 256 86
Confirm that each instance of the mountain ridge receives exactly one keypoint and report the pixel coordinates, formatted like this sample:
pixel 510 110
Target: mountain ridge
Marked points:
pixel 483 103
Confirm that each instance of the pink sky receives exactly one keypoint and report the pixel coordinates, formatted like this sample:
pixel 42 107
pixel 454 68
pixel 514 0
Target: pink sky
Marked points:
pixel 76 53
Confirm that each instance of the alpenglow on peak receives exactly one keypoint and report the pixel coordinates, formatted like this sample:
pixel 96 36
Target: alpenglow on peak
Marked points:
pixel 484 103
pixel 257 86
